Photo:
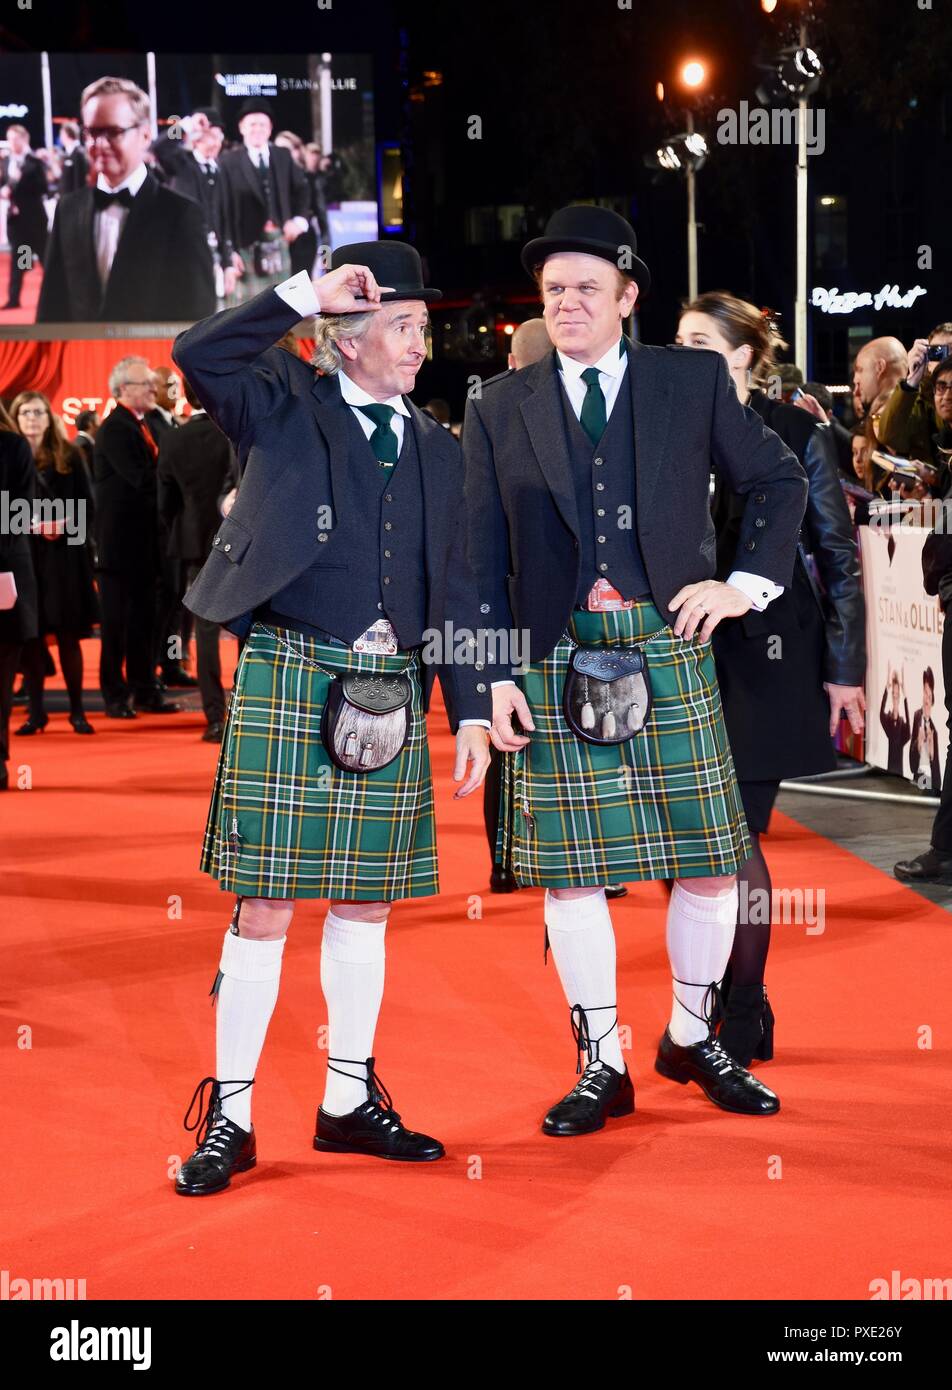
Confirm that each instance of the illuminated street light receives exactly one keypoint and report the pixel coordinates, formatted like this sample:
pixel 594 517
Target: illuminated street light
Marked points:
pixel 693 74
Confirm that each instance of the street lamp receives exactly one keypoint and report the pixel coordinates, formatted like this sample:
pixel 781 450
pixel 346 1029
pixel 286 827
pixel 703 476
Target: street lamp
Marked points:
pixel 693 77
pixel 796 73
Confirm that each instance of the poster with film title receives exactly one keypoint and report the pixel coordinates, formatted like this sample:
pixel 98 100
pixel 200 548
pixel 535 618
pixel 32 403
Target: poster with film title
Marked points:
pixel 906 728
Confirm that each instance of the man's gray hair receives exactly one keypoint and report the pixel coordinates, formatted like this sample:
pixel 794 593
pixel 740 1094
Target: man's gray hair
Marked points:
pixel 328 331
pixel 121 370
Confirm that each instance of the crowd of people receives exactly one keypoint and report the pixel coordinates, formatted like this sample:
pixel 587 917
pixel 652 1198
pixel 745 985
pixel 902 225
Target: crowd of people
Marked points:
pixel 255 209
pixel 546 450
pixel 123 517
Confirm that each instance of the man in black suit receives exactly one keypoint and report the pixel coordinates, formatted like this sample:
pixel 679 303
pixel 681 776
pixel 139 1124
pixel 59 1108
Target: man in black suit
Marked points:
pixel 23 184
pixel 74 166
pixel 124 464
pixel 87 423
pixel 189 157
pixel 588 478
pixel 196 464
pixel 269 200
pixel 346 546
pixel 128 248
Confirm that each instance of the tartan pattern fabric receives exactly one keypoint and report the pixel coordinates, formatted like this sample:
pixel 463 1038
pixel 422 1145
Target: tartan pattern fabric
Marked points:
pixel 284 822
pixel 664 804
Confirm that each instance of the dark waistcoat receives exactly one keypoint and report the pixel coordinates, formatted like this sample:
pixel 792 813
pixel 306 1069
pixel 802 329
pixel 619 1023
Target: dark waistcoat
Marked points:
pixel 604 479
pixel 379 537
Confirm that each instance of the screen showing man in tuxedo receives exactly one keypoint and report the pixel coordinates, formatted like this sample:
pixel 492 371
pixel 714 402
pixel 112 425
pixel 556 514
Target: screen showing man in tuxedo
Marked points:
pixel 126 248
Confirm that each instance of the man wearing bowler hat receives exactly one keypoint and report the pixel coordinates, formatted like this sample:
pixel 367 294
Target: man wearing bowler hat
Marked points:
pixel 346 545
pixel 587 480
pixel 268 200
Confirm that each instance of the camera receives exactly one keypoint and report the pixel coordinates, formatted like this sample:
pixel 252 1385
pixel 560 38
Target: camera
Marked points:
pixel 937 352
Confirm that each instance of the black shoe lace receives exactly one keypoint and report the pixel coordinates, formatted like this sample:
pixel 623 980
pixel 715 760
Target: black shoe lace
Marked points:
pixel 378 1107
pixel 722 1059
pixel 584 1042
pixel 210 1115
pixel 712 1005
pixel 595 1079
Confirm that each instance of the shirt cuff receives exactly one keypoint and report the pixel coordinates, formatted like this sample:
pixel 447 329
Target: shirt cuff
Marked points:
pixel 505 682
pixel 302 224
pixel 760 591
pixel 300 295
pixel 482 723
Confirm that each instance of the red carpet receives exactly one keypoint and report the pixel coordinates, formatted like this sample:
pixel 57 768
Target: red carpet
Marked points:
pixel 676 1202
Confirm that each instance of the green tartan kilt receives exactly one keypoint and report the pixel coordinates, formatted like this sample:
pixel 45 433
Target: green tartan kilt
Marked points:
pixel 284 822
pixel 664 804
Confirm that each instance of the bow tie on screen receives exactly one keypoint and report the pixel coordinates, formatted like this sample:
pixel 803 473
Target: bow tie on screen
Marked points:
pixel 102 199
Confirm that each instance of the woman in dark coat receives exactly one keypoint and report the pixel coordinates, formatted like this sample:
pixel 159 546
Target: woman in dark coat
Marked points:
pixel 17 624
pixel 788 673
pixel 67 598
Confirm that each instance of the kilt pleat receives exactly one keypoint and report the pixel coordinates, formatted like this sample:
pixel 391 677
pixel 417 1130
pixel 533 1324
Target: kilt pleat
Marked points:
pixel 664 804
pixel 284 821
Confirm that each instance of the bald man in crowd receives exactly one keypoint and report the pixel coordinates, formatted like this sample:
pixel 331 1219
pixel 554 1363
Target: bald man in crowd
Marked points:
pixel 879 367
pixel 530 343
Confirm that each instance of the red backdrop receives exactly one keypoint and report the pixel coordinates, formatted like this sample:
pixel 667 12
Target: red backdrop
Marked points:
pixel 74 373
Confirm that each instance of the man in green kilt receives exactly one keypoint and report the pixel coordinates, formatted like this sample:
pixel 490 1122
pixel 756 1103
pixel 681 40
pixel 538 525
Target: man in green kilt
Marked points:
pixel 346 546
pixel 588 482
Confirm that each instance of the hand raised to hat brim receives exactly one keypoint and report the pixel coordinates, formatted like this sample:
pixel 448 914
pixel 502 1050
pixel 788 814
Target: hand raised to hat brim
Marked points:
pixel 350 289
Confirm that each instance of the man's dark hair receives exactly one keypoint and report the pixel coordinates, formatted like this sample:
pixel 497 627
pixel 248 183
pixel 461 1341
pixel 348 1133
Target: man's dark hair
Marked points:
pixel 819 393
pixel 943 369
pixel 85 418
pixel 929 679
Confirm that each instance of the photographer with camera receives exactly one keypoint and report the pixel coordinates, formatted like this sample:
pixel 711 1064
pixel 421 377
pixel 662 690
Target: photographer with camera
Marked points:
pixel 908 419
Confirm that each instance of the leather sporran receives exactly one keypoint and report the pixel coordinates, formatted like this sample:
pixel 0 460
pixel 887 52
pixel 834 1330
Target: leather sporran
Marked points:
pixel 366 720
pixel 607 694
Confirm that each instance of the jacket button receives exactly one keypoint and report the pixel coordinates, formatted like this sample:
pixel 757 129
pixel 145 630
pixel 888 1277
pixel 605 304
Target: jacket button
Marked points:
pixel 601 540
pixel 386 554
pixel 321 538
pixel 388 526
pixel 479 666
pixel 484 608
pixel 380 606
pixel 759 497
pixel 599 487
pixel 388 497
pixel 600 511
pixel 750 545
pixel 598 462
pixel 227 547
pixel 480 689
pixel 387 579
pixel 603 566
pixel 217 540
pixel 760 522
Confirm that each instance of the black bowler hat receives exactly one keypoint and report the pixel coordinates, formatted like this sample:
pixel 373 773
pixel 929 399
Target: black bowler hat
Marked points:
pixel 597 232
pixel 394 263
pixel 256 106
pixel 211 114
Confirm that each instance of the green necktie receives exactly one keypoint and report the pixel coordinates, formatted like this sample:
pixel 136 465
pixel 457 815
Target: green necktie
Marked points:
pixel 383 441
pixel 593 416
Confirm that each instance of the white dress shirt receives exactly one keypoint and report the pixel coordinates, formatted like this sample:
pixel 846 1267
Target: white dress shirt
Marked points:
pixel 109 222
